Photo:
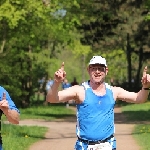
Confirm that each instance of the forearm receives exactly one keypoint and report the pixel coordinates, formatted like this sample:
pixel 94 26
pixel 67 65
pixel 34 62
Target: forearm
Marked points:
pixel 12 116
pixel 52 95
pixel 142 96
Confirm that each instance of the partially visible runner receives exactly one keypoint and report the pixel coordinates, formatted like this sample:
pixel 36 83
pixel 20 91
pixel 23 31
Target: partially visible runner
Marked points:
pixel 95 102
pixel 49 84
pixel 9 109
pixel 74 82
pixel 65 84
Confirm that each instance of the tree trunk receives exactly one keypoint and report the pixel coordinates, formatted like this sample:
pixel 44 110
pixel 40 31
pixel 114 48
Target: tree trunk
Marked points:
pixel 139 66
pixel 129 67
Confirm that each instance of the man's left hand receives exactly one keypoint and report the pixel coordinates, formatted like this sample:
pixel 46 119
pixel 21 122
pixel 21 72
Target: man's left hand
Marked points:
pixel 145 79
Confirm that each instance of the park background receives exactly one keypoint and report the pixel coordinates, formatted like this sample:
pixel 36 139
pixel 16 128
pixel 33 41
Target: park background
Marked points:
pixel 36 36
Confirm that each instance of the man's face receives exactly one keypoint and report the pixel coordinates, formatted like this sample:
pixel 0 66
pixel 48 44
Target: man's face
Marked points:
pixel 97 73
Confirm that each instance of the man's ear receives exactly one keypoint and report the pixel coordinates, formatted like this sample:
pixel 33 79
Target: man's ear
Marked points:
pixel 106 70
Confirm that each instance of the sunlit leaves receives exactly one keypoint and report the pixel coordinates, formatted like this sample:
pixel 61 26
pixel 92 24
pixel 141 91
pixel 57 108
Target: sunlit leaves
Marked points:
pixel 11 14
pixel 33 32
pixel 80 49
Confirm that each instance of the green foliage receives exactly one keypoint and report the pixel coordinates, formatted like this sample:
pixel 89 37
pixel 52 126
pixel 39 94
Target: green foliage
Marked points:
pixel 147 3
pixel 116 63
pixel 10 14
pixel 32 34
pixel 80 49
pixel 106 27
pixel 75 66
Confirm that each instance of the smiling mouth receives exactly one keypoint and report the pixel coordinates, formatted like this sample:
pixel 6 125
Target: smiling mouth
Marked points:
pixel 97 76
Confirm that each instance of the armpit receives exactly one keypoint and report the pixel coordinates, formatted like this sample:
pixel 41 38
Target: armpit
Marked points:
pixel 115 93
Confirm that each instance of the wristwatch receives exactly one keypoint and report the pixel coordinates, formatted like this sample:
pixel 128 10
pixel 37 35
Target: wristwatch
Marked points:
pixel 146 88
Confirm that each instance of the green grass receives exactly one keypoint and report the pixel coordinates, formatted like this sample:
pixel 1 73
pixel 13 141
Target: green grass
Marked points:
pixel 17 137
pixel 139 112
pixel 142 135
pixel 48 113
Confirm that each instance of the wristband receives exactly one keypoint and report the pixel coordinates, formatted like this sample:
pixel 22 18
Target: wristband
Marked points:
pixel 146 88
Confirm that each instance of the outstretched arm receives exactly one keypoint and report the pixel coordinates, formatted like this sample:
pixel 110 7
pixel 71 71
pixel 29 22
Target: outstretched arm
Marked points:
pixel 133 97
pixel 55 96
pixel 12 116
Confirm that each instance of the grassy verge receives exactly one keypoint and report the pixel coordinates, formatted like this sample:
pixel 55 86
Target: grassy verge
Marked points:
pixel 142 134
pixel 17 137
pixel 140 112
pixel 48 113
pixel 137 112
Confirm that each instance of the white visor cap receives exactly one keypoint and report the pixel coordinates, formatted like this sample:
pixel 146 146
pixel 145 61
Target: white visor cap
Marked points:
pixel 98 60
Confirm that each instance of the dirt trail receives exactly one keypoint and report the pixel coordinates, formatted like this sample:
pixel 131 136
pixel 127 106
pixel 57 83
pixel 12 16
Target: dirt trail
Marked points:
pixel 61 134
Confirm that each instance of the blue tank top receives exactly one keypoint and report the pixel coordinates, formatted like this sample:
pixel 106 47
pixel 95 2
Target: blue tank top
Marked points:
pixel 95 115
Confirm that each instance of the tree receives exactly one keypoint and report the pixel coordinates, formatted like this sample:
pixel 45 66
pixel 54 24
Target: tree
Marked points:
pixel 114 25
pixel 29 42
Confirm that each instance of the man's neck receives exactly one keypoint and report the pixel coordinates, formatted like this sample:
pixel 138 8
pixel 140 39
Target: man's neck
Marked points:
pixel 97 86
pixel 98 89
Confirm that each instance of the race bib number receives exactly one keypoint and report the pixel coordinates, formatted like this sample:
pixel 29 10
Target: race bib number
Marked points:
pixel 101 146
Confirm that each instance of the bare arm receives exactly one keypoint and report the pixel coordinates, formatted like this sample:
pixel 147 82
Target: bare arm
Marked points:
pixel 12 116
pixel 133 97
pixel 142 96
pixel 52 95
pixel 55 96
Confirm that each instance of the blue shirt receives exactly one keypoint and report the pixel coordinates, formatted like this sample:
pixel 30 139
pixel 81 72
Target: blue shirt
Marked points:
pixel 66 85
pixel 11 104
pixel 49 84
pixel 95 115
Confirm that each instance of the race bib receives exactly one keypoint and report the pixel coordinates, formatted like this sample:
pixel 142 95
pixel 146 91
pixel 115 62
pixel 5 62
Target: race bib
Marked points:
pixel 101 146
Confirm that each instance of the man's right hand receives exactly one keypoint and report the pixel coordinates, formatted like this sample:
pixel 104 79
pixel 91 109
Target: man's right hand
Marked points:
pixel 60 74
pixel 4 103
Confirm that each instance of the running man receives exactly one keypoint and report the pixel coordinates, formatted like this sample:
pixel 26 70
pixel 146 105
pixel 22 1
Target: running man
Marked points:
pixel 95 102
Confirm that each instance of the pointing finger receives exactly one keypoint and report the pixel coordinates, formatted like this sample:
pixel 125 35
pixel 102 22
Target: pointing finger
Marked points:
pixel 62 66
pixel 145 71
pixel 4 96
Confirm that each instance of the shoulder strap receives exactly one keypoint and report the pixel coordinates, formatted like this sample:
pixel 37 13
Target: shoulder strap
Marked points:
pixel 86 85
pixel 108 86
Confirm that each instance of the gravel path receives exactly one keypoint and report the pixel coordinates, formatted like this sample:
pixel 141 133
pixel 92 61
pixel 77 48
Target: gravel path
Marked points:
pixel 61 134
